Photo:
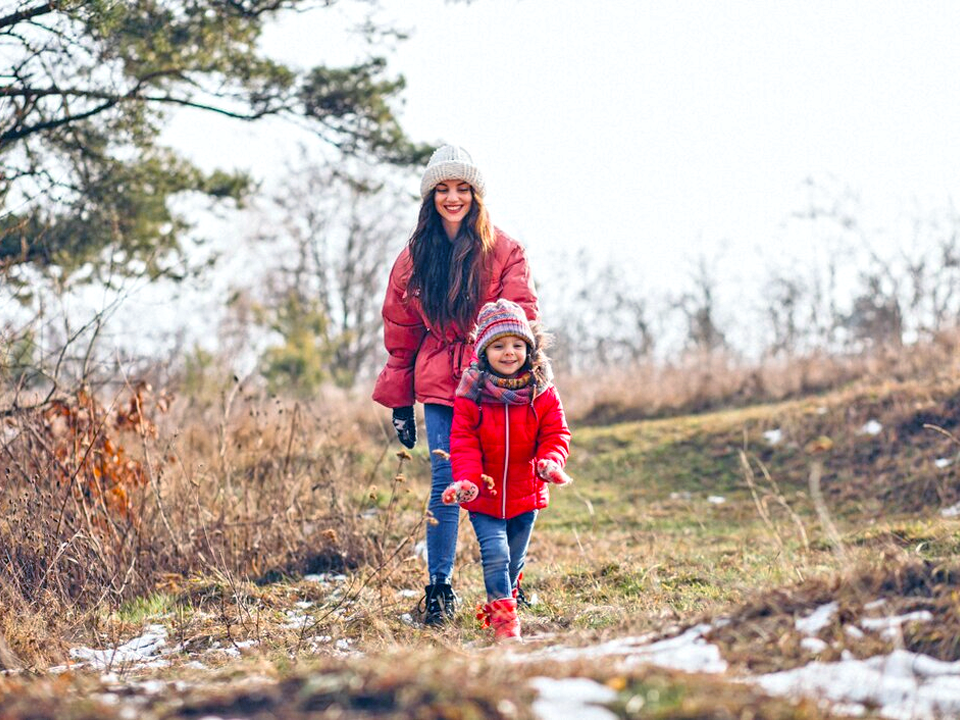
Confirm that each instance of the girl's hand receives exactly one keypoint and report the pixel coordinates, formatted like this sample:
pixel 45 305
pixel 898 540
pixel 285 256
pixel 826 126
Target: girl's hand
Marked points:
pixel 550 472
pixel 461 491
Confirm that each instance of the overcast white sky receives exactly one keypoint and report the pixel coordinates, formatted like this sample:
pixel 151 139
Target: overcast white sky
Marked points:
pixel 660 128
pixel 656 131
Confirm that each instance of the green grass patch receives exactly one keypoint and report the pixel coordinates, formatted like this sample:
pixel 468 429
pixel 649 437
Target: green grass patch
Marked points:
pixel 146 609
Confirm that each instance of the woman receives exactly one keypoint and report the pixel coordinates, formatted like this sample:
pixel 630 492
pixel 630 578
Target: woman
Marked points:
pixel 455 262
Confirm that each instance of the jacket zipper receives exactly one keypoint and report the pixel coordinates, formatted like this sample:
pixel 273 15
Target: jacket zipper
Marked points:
pixel 506 457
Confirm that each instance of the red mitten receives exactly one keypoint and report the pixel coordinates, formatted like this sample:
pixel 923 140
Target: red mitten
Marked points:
pixel 549 471
pixel 461 491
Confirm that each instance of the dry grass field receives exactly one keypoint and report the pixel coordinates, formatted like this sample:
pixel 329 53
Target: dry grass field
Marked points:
pixel 274 547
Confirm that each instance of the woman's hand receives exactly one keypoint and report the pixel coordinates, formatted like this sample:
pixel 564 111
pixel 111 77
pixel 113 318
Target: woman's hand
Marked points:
pixel 406 425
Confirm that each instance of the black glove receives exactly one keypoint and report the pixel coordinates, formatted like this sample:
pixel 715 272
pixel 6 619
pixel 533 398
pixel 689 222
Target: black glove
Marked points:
pixel 405 425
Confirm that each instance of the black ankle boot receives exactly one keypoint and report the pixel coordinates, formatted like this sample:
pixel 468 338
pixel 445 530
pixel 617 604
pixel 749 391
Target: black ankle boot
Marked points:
pixel 522 599
pixel 439 604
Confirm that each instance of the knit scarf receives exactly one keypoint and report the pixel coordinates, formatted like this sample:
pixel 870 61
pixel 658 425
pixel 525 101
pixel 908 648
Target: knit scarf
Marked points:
pixel 482 386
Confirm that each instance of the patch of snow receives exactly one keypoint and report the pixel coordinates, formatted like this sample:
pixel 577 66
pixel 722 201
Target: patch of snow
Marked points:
pixel 409 593
pixel 571 699
pixel 849 709
pixel 814 645
pixel 143 650
pixel 871 427
pixel 304 604
pixel 151 687
pixel 683 495
pixel 107 698
pixel 324 578
pixel 817 620
pixel 407 619
pixel 716 499
pixel 943 462
pixel 821 410
pixel 296 619
pixel 506 708
pixel 903 684
pixel 873 605
pixel 853 631
pixel 773 436
pixel 952 511
pixel 215 647
pixel 890 626
pixel 688 652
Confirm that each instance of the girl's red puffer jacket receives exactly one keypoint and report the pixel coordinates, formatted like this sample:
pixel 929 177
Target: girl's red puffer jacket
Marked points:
pixel 425 363
pixel 505 441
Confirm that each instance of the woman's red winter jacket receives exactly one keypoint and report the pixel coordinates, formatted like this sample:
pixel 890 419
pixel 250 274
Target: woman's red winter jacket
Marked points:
pixel 505 441
pixel 425 362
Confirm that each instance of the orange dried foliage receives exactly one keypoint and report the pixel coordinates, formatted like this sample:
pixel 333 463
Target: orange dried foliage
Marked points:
pixel 84 439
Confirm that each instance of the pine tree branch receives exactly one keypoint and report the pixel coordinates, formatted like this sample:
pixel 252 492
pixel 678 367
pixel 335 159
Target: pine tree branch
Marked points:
pixel 30 13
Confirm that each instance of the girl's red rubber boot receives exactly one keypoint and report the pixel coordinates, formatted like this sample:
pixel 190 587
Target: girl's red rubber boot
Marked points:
pixel 503 617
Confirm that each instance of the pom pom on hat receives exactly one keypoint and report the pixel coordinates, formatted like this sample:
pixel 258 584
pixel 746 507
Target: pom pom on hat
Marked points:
pixel 451 162
pixel 500 319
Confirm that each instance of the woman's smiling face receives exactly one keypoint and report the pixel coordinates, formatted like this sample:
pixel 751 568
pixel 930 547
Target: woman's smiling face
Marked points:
pixel 453 199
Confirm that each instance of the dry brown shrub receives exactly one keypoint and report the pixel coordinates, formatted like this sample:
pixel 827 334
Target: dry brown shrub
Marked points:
pixel 73 498
pixel 103 502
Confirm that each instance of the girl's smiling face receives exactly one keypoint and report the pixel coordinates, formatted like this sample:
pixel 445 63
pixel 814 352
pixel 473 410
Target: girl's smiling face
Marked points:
pixel 453 199
pixel 507 355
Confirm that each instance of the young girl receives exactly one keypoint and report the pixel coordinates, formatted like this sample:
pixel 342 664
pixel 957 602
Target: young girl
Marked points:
pixel 509 439
pixel 455 261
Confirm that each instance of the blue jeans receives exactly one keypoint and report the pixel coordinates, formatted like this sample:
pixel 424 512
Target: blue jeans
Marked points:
pixel 442 536
pixel 503 549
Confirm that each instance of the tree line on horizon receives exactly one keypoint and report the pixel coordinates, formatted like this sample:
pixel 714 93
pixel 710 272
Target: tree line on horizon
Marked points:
pixel 90 197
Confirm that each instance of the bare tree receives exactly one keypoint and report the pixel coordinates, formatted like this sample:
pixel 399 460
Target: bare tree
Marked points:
pixel 699 309
pixel 899 283
pixel 783 301
pixel 333 233
pixel 596 315
pixel 875 319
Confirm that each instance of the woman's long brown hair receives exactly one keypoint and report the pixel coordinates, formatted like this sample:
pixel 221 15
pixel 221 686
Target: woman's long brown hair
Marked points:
pixel 449 274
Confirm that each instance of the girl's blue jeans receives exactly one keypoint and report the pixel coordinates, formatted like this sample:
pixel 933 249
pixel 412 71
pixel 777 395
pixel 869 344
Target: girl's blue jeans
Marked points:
pixel 503 550
pixel 442 536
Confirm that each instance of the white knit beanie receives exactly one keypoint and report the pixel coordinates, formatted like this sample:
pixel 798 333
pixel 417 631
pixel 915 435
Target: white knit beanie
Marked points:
pixel 450 162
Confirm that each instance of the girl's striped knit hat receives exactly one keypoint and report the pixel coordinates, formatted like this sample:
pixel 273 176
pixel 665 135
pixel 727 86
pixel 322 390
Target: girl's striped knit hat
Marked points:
pixel 499 319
